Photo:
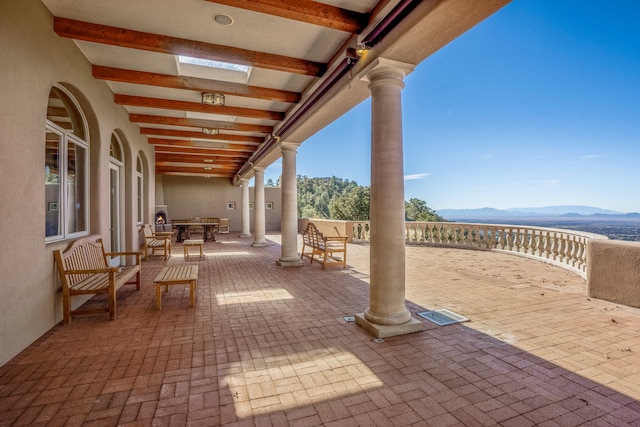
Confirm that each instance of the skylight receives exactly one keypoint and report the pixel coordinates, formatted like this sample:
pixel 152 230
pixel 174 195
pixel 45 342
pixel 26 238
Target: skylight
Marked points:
pixel 213 64
pixel 217 70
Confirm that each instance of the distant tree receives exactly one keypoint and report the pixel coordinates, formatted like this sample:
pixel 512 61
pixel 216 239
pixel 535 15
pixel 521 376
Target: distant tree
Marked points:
pixel 417 210
pixel 270 183
pixel 342 199
pixel 352 206
pixel 316 194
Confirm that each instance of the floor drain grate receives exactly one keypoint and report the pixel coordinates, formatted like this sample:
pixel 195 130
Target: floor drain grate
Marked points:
pixel 443 317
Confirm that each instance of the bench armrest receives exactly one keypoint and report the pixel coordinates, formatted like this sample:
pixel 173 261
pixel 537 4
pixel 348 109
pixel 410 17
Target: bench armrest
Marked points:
pixel 134 253
pixel 123 253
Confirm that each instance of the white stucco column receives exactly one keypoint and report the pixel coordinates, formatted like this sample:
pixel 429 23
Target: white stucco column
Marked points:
pixel 245 230
pixel 387 314
pixel 289 217
pixel 259 210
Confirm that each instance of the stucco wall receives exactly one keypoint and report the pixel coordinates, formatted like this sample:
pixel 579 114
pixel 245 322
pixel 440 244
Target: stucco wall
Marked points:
pixel 188 197
pixel 613 271
pixel 32 59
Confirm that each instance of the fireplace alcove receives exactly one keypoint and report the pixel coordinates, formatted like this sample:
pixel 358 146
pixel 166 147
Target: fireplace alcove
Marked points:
pixel 161 218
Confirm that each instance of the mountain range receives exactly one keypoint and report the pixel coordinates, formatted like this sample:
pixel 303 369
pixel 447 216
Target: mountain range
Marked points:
pixel 555 212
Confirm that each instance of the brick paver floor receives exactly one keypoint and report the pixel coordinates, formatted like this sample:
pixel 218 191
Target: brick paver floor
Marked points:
pixel 266 346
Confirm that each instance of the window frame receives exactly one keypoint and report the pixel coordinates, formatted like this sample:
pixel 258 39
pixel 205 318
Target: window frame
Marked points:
pixel 67 138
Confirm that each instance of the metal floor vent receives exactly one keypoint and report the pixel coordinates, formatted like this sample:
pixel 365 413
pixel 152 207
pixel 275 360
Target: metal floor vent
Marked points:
pixel 443 317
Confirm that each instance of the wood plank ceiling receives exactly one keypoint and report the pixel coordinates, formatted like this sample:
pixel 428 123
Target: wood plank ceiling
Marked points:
pixel 288 45
pixel 300 58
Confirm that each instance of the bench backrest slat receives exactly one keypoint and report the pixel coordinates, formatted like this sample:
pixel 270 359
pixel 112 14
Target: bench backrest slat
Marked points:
pixel 82 254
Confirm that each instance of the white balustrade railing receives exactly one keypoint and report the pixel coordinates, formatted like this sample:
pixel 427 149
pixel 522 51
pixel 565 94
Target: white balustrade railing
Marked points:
pixel 565 248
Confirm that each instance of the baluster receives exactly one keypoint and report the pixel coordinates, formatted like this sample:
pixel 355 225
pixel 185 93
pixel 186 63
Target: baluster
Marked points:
pixel 580 254
pixel 532 241
pixel 521 243
pixel 546 250
pixel 500 239
pixel 574 250
pixel 510 238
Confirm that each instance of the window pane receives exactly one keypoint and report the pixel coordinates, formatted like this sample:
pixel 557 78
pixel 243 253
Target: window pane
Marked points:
pixel 52 184
pixel 114 150
pixel 139 179
pixel 76 188
pixel 63 112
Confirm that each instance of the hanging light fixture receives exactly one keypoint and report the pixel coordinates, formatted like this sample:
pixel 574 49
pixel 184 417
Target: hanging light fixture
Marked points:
pixel 362 49
pixel 209 98
pixel 210 131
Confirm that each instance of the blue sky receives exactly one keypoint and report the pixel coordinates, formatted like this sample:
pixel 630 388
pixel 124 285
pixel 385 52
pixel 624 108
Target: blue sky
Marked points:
pixel 538 105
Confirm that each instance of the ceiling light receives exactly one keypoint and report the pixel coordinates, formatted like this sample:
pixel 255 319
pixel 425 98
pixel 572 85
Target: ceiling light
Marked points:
pixel 208 161
pixel 210 131
pixel 208 168
pixel 212 98
pixel 222 19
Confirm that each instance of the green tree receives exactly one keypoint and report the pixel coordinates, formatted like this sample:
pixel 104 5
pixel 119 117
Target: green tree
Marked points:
pixel 352 206
pixel 417 210
pixel 315 195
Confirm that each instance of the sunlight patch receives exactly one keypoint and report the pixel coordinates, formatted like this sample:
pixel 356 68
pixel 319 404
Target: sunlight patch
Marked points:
pixel 252 296
pixel 230 253
pixel 296 380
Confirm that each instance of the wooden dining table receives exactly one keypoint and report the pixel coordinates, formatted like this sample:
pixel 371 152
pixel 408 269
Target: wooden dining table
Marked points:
pixel 209 233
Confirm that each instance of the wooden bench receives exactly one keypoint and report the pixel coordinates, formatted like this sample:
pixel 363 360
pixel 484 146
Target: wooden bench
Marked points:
pixel 314 243
pixel 84 270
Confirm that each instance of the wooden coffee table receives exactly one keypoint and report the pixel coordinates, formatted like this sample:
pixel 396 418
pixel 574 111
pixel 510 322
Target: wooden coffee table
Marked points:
pixel 176 275
pixel 192 242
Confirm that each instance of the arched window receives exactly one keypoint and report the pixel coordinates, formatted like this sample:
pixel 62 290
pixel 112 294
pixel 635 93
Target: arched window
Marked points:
pixel 140 191
pixel 66 168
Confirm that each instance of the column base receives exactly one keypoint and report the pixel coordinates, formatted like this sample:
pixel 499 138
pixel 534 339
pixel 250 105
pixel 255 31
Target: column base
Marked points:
pixel 245 234
pixel 289 262
pixel 384 331
pixel 259 244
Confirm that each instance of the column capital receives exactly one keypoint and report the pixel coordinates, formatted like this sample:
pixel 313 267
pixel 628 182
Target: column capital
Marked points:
pixel 258 169
pixel 288 146
pixel 385 68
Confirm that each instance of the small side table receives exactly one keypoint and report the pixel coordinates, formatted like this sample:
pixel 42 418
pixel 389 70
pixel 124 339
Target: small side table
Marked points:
pixel 192 242
pixel 183 274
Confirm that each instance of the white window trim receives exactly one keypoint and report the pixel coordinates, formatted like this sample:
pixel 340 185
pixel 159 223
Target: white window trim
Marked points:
pixel 65 139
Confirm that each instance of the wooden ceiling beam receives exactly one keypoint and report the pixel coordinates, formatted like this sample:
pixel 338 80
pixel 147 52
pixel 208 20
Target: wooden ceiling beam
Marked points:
pixel 142 101
pixel 199 170
pixel 211 167
pixel 195 153
pixel 193 83
pixel 199 151
pixel 229 176
pixel 122 37
pixel 200 135
pixel 202 144
pixel 307 11
pixel 185 158
pixel 199 123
